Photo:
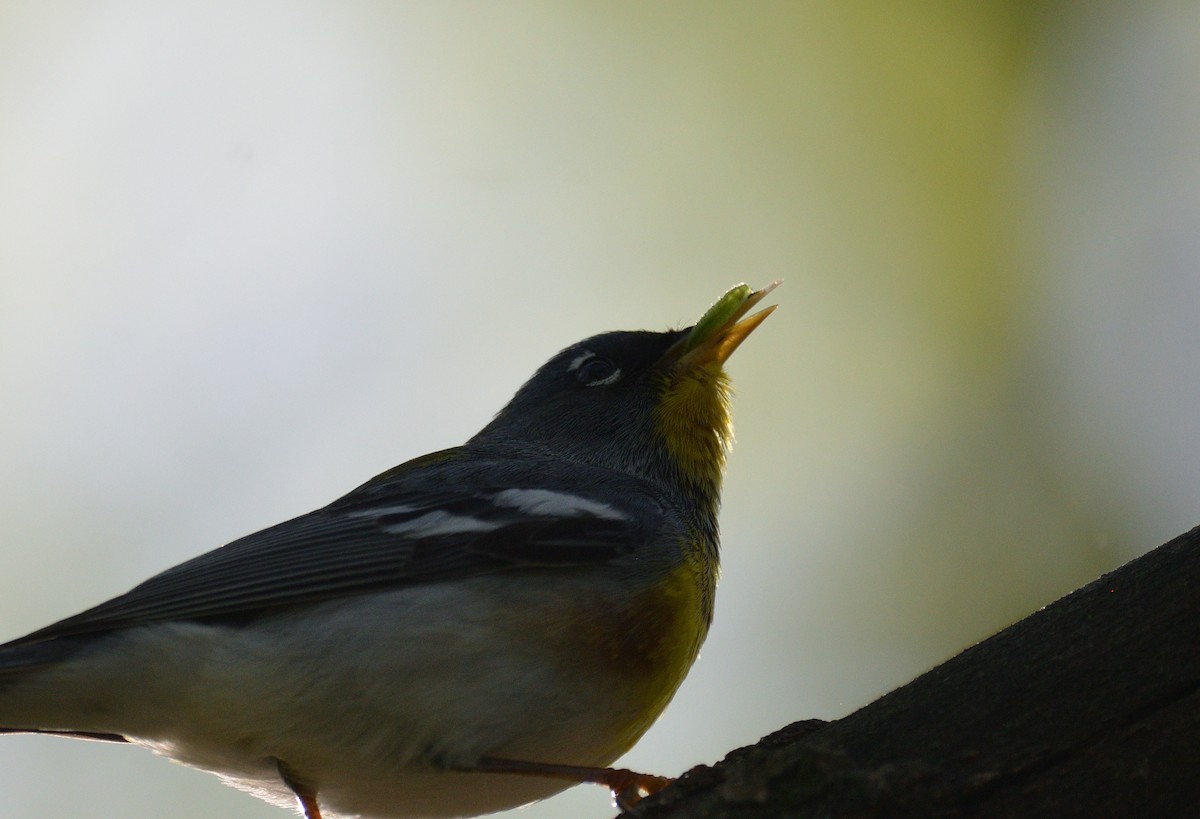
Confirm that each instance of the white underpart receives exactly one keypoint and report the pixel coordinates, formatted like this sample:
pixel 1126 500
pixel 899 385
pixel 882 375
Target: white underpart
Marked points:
pixel 439 523
pixel 358 693
pixel 554 504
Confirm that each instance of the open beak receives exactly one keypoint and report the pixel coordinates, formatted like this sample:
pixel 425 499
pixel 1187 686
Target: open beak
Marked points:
pixel 721 329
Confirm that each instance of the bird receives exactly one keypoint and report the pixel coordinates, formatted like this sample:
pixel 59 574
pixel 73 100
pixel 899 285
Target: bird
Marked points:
pixel 473 630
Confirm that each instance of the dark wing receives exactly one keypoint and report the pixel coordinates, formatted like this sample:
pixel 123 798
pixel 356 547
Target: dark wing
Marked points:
pixel 435 518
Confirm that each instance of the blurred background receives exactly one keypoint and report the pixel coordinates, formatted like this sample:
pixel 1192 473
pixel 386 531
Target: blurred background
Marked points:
pixel 252 254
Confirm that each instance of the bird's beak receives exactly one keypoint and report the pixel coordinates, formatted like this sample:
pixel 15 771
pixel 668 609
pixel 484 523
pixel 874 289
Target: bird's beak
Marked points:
pixel 721 329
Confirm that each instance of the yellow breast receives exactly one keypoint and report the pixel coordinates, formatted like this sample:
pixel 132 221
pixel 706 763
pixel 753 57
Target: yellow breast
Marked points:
pixel 647 645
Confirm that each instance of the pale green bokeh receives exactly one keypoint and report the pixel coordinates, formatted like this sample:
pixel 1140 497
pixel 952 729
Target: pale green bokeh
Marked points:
pixel 254 254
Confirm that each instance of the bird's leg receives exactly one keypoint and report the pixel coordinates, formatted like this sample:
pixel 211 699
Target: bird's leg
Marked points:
pixel 304 794
pixel 628 787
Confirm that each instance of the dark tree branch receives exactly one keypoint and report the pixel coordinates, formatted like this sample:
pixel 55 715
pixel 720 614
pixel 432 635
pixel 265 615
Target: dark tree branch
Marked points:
pixel 1089 707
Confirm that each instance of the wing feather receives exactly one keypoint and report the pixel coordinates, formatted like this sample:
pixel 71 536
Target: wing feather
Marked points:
pixel 438 519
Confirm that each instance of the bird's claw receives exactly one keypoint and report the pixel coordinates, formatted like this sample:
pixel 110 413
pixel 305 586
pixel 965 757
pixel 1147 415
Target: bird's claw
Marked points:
pixel 630 787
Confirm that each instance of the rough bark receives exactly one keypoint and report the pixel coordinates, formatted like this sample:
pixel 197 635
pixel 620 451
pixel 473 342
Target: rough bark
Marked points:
pixel 1088 707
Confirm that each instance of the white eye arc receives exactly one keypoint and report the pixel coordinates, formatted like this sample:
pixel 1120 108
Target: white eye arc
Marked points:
pixel 579 359
pixel 593 370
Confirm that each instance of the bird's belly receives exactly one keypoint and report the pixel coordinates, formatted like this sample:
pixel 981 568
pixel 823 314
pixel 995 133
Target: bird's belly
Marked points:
pixel 369 699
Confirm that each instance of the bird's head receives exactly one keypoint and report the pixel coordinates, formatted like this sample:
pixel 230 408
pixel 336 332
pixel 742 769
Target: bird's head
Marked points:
pixel 652 404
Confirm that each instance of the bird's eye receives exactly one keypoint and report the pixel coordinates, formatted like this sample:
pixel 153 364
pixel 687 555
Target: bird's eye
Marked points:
pixel 597 371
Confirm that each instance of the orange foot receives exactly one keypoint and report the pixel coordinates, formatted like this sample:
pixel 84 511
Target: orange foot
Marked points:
pixel 630 787
pixel 306 796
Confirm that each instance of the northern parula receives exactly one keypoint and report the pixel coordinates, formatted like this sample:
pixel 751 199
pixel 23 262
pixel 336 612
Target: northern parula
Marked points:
pixel 473 630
